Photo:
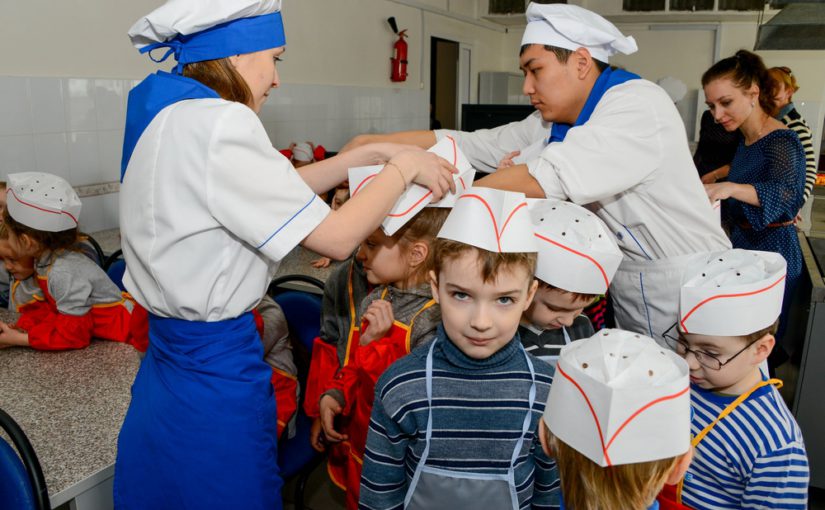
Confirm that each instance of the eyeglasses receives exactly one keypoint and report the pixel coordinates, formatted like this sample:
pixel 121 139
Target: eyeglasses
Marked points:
pixel 675 342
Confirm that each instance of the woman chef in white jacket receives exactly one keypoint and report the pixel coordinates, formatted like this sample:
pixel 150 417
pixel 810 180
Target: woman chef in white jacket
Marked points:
pixel 208 208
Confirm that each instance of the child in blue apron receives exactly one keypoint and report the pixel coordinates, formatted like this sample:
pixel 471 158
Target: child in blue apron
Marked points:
pixel 617 421
pixel 208 207
pixel 729 307
pixel 453 423
pixel 577 259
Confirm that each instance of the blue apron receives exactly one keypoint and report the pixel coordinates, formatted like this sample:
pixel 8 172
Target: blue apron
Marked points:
pixel 200 432
pixel 435 488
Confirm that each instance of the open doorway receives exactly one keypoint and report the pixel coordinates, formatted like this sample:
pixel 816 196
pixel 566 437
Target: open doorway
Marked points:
pixel 443 83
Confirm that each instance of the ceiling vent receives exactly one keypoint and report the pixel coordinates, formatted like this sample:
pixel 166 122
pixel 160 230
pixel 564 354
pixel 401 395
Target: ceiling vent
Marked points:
pixel 800 25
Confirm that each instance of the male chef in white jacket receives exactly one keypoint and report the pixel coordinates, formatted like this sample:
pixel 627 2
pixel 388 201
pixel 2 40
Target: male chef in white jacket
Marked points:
pixel 607 139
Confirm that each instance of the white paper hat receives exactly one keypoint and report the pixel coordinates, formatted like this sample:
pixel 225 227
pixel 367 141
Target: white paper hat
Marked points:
pixel 572 27
pixel 732 293
pixel 302 152
pixel 619 398
pixel 42 201
pixel 186 17
pixel 412 201
pixel 492 220
pixel 577 252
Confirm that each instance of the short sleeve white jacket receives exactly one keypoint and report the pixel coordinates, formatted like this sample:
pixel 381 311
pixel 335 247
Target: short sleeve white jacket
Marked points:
pixel 207 209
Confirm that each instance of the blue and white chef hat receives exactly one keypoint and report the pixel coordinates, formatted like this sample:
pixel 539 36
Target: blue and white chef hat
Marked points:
pixel 198 30
pixel 42 201
pixel 572 27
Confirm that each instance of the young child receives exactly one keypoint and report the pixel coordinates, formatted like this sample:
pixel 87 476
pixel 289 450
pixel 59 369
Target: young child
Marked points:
pixel 41 219
pixel 25 296
pixel 397 316
pixel 617 421
pixel 749 449
pixel 577 259
pixel 461 412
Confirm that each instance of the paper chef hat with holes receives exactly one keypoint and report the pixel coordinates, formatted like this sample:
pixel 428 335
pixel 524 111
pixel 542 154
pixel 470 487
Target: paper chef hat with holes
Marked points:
pixel 492 220
pixel 732 293
pixel 619 398
pixel 412 201
pixel 577 252
pixel 42 201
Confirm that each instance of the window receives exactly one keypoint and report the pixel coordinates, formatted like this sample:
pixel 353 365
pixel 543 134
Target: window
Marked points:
pixel 516 6
pixel 697 5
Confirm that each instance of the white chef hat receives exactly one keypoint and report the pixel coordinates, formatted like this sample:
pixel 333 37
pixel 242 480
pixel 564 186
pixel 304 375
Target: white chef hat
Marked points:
pixel 619 398
pixel 577 253
pixel 732 293
pixel 198 30
pixel 572 27
pixel 415 199
pixel 492 220
pixel 42 201
pixel 302 152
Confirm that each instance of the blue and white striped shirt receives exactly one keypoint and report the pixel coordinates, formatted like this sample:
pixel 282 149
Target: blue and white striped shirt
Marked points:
pixel 753 458
pixel 478 412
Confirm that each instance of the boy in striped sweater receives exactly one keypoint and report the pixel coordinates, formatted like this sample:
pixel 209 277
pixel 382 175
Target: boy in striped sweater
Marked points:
pixel 454 423
pixel 749 451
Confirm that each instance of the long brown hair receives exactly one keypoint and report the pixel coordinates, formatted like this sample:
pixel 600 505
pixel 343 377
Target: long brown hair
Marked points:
pixel 588 486
pixel 220 76
pixel 744 69
pixel 424 227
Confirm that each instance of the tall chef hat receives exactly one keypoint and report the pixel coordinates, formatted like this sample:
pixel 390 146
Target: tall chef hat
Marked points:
pixel 619 398
pixel 732 293
pixel 42 201
pixel 576 251
pixel 572 27
pixel 492 220
pixel 198 30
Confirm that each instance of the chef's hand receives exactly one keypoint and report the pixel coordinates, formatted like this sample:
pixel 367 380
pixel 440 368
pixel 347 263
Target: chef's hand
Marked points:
pixel 378 318
pixel 719 190
pixel 425 168
pixel 330 408
pixel 507 160
pixel 316 438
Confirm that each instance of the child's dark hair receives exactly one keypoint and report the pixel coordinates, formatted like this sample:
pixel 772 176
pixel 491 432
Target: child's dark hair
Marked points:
pixel 65 239
pixel 424 227
pixel 491 263
pixel 745 69
pixel 577 296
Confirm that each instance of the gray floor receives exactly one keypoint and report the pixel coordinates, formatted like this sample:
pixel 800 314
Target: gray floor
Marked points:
pixel 321 494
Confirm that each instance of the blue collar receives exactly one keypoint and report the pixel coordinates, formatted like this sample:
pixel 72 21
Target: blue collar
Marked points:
pixel 610 77
pixel 151 96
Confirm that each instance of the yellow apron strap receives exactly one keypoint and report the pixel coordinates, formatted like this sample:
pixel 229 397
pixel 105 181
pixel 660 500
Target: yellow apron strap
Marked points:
pixel 353 326
pixel 428 304
pixel 725 412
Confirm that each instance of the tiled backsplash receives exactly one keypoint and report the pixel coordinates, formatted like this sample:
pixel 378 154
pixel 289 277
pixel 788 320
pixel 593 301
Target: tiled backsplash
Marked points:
pixel 73 127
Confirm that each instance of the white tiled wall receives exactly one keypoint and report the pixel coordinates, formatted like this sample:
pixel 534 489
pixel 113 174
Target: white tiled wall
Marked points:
pixel 73 127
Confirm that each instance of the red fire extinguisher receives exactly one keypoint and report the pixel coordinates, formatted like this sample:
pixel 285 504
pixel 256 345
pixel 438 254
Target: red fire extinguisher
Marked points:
pixel 398 62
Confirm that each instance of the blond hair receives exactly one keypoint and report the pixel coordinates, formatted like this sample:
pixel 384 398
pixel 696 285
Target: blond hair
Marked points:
pixel 587 486
pixel 491 263
pixel 422 228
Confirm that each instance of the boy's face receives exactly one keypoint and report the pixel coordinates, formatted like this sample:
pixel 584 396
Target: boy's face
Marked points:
pixel 384 262
pixel 19 267
pixel 481 317
pixel 741 361
pixel 554 308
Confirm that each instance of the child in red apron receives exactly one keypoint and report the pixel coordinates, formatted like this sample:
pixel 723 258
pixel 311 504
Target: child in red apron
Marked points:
pixel 729 306
pixel 617 421
pixel 397 316
pixel 25 296
pixel 82 302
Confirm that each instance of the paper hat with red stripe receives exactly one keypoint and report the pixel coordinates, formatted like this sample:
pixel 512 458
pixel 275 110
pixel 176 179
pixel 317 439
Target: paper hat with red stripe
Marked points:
pixel 492 220
pixel 412 201
pixel 732 293
pixel 577 252
pixel 619 398
pixel 42 201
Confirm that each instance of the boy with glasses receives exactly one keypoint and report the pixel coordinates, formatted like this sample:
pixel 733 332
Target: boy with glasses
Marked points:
pixel 749 451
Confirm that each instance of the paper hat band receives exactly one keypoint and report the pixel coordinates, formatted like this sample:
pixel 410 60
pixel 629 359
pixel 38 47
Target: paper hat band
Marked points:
pixel 686 316
pixel 498 233
pixel 43 210
pixel 584 256
pixel 608 442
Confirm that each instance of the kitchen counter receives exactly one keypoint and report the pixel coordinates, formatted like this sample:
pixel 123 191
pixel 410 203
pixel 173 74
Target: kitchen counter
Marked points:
pixel 71 405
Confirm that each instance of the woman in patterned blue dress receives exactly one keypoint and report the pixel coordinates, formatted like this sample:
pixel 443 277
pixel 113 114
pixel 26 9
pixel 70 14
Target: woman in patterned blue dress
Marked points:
pixel 765 186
